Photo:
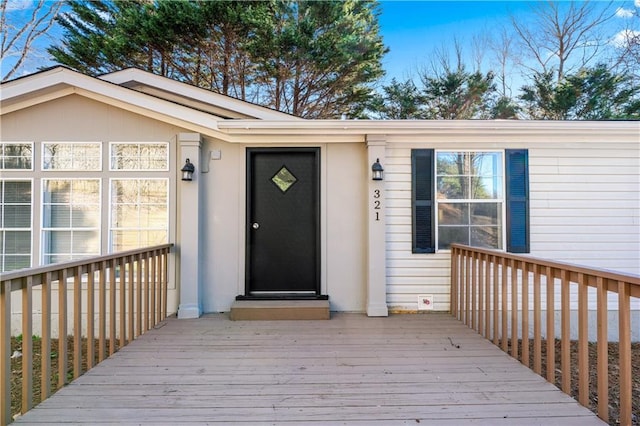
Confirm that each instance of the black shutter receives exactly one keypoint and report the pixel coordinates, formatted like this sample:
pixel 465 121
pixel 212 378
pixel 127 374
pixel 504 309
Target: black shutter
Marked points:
pixel 422 161
pixel 517 180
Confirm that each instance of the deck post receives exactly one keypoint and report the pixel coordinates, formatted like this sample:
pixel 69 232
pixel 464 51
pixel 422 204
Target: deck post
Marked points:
pixel 189 230
pixel 376 227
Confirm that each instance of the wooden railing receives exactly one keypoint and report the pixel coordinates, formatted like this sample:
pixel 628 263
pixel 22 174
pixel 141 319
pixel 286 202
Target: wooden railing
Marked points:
pixel 125 293
pixel 498 294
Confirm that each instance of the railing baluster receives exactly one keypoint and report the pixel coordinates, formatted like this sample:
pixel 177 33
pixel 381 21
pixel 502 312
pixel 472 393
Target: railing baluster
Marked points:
pixel 624 329
pixel 145 292
pixel 525 313
pixel 480 289
pixel 565 358
pixel 603 351
pixel 487 297
pixel 122 303
pixel 138 294
pixel 112 306
pixel 583 341
pixel 165 281
pixel 62 329
pixel 505 307
pixel 496 307
pixel 130 304
pixel 102 312
pixel 5 352
pixel 551 336
pixel 537 321
pixel 77 323
pixel 90 316
pixel 153 291
pixel 473 290
pixel 45 342
pixel 455 276
pixel 514 308
pixel 27 344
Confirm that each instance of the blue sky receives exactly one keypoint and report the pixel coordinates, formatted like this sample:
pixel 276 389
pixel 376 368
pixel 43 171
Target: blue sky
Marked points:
pixel 412 30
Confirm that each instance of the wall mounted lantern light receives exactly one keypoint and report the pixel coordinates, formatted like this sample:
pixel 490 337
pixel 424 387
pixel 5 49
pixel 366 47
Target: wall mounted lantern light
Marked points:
pixel 376 170
pixel 187 170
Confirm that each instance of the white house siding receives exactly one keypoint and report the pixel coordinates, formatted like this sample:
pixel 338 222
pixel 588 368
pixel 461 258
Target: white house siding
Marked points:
pixel 585 204
pixel 584 209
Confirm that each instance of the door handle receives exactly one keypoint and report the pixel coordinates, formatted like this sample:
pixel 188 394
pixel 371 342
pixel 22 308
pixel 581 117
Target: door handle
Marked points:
pixel 255 225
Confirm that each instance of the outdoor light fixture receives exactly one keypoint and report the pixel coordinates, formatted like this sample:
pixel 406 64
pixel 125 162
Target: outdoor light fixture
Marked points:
pixel 187 170
pixel 377 170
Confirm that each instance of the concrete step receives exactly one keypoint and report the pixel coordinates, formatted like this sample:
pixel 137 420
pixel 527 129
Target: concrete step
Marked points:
pixel 268 310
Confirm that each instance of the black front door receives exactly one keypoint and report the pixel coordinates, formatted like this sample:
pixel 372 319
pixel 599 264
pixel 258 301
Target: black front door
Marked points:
pixel 283 222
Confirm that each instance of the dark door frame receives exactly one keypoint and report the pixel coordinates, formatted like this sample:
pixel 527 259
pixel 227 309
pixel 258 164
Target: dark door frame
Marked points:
pixel 247 223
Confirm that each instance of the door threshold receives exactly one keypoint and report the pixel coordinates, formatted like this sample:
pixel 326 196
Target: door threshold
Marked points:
pixel 283 296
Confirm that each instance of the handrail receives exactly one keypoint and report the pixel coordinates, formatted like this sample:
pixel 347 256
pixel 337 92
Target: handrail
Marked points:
pixel 486 285
pixel 138 277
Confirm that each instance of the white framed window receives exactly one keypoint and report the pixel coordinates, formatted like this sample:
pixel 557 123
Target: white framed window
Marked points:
pixel 15 224
pixel 71 217
pixel 16 155
pixel 70 156
pixel 470 198
pixel 139 213
pixel 147 156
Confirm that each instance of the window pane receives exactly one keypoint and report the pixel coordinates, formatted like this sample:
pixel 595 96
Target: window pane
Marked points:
pixel 453 187
pixel 486 213
pixel 85 242
pixel 487 164
pixel 17 192
pixel 72 156
pixel 486 236
pixel 72 224
pixel 57 216
pixel 16 156
pixel 57 242
pixel 85 191
pixel 139 156
pixel 448 235
pixel 139 213
pixel 153 216
pixel 486 188
pixel 468 177
pixel 84 217
pixel 453 214
pixel 56 258
pixel 17 216
pixel 15 225
pixel 153 191
pixel 17 242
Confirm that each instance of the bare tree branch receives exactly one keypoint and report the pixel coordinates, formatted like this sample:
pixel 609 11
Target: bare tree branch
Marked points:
pixel 18 37
pixel 559 34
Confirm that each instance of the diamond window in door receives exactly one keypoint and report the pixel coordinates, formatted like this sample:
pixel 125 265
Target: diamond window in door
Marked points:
pixel 284 179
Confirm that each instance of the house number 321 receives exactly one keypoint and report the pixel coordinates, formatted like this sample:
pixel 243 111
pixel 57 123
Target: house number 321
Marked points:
pixel 376 203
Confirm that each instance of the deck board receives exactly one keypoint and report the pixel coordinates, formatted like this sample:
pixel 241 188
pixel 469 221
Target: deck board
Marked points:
pixel 404 369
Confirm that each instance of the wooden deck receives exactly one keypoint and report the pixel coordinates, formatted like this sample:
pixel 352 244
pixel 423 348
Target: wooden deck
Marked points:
pixel 354 370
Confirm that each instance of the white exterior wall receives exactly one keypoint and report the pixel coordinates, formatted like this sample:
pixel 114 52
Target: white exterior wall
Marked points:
pixel 584 209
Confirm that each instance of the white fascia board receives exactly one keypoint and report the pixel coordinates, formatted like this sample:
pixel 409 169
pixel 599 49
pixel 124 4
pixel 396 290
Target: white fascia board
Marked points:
pixel 582 130
pixel 197 93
